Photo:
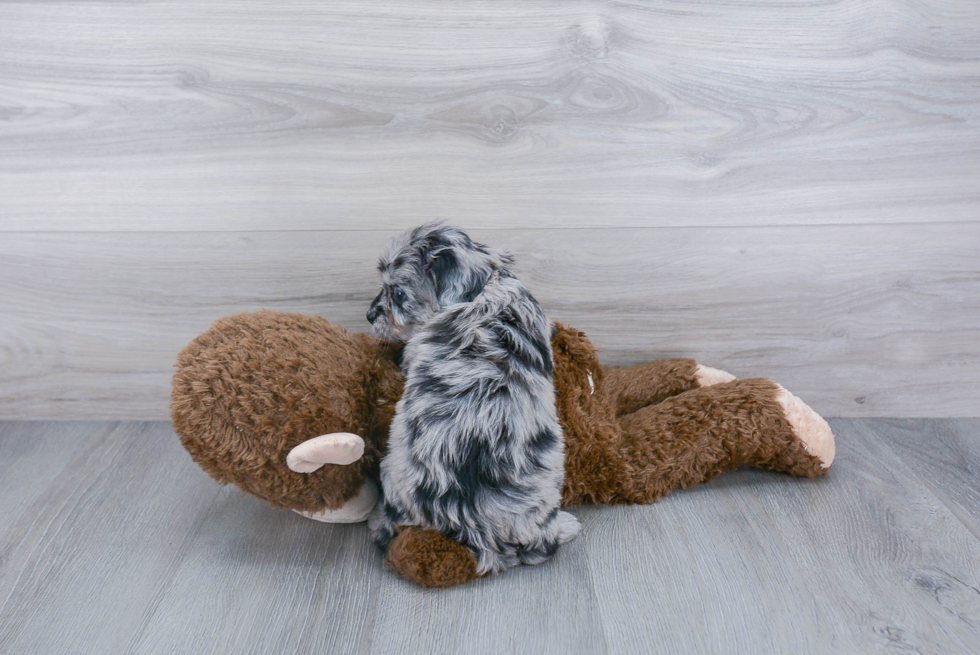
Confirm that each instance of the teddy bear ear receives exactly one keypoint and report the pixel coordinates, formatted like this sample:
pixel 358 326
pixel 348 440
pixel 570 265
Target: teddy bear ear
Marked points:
pixel 336 448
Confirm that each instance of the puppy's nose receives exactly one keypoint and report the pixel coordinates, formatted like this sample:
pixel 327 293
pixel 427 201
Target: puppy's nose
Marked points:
pixel 374 309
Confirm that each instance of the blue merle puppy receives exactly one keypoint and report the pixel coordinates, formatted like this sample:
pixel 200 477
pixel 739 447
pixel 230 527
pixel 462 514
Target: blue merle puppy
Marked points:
pixel 475 449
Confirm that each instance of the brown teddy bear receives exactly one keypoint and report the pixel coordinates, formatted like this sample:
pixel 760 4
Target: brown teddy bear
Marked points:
pixel 249 393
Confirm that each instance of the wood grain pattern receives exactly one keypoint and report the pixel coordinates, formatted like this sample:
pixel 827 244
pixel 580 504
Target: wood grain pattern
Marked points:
pixel 778 188
pixel 552 609
pixel 85 559
pixel 29 465
pixel 182 115
pixel 126 547
pixel 908 583
pixel 945 456
pixel 259 580
pixel 861 320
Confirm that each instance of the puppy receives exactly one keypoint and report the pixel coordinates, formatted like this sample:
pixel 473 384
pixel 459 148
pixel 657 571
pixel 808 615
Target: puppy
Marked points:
pixel 475 449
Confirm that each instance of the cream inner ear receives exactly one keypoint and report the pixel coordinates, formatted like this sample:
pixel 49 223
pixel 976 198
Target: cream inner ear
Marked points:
pixel 337 448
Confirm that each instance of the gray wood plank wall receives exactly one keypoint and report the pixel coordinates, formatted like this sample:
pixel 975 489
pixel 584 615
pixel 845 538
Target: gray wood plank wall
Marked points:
pixel 788 189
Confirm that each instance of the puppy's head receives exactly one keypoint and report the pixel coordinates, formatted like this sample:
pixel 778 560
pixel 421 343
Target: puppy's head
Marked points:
pixel 425 270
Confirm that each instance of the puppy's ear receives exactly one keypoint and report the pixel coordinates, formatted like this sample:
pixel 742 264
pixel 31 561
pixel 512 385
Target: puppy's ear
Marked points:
pixel 458 267
pixel 441 264
pixel 457 278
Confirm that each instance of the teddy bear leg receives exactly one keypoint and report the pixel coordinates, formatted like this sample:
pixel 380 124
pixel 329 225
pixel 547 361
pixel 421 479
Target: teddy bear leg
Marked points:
pixel 694 436
pixel 430 558
pixel 638 386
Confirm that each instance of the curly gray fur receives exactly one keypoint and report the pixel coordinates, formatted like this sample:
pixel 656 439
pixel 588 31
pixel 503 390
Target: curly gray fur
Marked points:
pixel 475 449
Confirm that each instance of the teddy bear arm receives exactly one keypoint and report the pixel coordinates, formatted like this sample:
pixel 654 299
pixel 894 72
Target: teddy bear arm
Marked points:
pixel 635 387
pixel 355 509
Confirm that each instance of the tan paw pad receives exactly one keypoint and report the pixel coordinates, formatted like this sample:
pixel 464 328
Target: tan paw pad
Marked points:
pixel 809 426
pixel 707 376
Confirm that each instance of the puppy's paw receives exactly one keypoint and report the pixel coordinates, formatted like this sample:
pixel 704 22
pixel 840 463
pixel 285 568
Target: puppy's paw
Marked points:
pixel 568 527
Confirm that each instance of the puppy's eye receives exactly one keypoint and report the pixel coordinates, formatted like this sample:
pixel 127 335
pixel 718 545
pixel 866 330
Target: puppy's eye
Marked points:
pixel 398 295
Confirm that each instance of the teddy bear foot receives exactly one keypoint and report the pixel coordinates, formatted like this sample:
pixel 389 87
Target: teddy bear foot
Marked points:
pixel 707 376
pixel 430 558
pixel 809 427
pixel 355 510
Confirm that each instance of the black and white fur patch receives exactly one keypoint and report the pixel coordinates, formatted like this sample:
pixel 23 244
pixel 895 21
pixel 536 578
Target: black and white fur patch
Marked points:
pixel 475 449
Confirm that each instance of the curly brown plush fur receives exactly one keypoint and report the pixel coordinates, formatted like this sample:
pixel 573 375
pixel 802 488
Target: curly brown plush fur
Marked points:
pixel 255 385
pixel 649 429
pixel 430 558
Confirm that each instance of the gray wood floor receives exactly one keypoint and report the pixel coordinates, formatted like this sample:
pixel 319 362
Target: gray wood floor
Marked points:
pixel 112 541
